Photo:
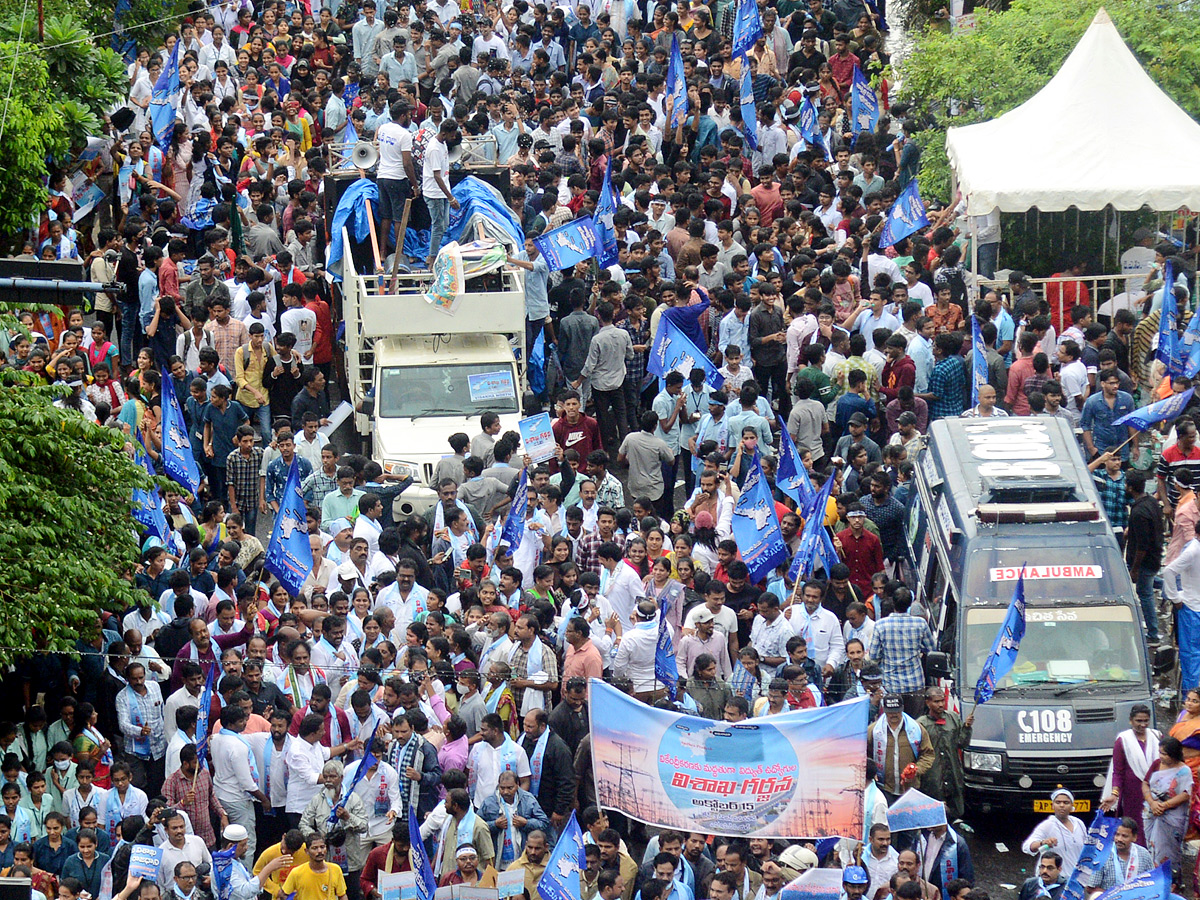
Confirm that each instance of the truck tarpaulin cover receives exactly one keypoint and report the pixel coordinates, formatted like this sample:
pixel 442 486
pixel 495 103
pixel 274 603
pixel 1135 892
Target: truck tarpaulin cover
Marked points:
pixel 352 203
pixel 479 202
pixel 796 774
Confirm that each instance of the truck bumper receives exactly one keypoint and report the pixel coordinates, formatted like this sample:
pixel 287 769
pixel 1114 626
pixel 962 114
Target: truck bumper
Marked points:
pixel 415 501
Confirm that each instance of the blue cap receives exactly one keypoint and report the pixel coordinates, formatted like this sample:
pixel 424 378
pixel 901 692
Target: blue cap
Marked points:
pixel 855 875
pixel 338 525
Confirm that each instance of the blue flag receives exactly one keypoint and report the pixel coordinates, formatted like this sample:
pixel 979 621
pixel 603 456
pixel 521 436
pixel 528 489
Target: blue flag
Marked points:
pixel 748 110
pixel 147 505
pixel 426 882
pixel 606 206
pixel 514 522
pixel 747 29
pixel 673 351
pixel 864 103
pixel 1004 651
pixel 665 669
pixel 1096 847
pixel 1191 346
pixel 979 367
pixel 202 715
pixel 164 100
pixel 350 137
pixel 1152 885
pixel 756 525
pixel 812 542
pixel 289 555
pixel 676 84
pixel 906 216
pixel 810 128
pixel 569 244
pixel 1146 416
pixel 222 871
pixel 1170 351
pixel 560 880
pixel 369 759
pixel 178 461
pixel 791 477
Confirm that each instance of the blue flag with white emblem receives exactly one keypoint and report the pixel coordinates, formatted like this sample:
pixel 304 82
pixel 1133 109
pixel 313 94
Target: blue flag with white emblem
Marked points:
pixel 289 555
pixel 747 29
pixel 147 505
pixel 514 522
pixel 426 882
pixel 164 100
pixel 569 244
pixel 979 369
pixel 749 113
pixel 178 461
pixel 791 477
pixel 673 351
pixel 560 880
pixel 813 537
pixel 606 206
pixel 1152 885
pixel 906 216
pixel 864 103
pixel 676 84
pixel 1170 350
pixel 756 525
pixel 1142 419
pixel 1096 847
pixel 665 669
pixel 810 128
pixel 1004 651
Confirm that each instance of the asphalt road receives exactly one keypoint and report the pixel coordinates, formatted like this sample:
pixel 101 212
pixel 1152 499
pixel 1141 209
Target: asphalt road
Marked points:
pixel 995 844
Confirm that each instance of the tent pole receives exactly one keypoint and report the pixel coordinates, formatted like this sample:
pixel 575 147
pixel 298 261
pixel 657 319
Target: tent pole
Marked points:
pixel 1103 238
pixel 975 255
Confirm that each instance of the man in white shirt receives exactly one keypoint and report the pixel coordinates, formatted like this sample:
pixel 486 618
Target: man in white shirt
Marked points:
pixel 819 627
pixel 305 758
pixel 435 183
pixel 180 847
pixel 300 321
pixel 396 174
pixel 488 43
pixel 404 597
pixel 636 648
pixel 1072 375
pixel 618 582
pixel 496 753
pixel 188 695
pixel 236 765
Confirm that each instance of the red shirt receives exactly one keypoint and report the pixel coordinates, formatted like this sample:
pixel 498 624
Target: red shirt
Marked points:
pixel 864 556
pixel 583 437
pixel 323 336
pixel 897 374
pixel 343 725
pixel 770 205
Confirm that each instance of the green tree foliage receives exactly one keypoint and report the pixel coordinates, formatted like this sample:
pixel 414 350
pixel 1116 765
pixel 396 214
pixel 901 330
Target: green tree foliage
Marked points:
pixel 1011 55
pixel 32 131
pixel 147 21
pixel 68 546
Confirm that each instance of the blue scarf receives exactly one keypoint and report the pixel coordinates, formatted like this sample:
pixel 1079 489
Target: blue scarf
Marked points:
pixel 948 864
pixel 535 762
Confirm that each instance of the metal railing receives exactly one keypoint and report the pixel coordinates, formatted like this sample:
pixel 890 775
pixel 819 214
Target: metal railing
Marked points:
pixel 1105 293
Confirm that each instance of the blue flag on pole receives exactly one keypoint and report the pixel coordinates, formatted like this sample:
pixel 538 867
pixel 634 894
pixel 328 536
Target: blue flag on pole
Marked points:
pixel 202 715
pixel 1191 346
pixel 164 100
pixel 514 522
pixel 560 880
pixel 606 233
pixel 289 555
pixel 810 128
pixel 1004 651
pixel 1142 419
pixel 1096 847
pixel 748 110
pixel 673 351
pixel 747 29
pixel 790 476
pixel 756 525
pixel 906 216
pixel 178 461
pixel 350 137
pixel 1169 351
pixel 1152 885
pixel 864 103
pixel 665 669
pixel 369 759
pixel 812 541
pixel 222 871
pixel 979 368
pixel 676 84
pixel 569 244
pixel 426 882
pixel 147 505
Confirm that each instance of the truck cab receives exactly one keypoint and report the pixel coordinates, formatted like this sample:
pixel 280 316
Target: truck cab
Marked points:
pixel 994 498
pixel 418 373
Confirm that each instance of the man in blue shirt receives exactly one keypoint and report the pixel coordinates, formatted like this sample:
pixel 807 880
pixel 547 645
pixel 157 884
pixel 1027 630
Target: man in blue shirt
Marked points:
pixel 1100 411
pixel 148 287
pixel 947 385
pixel 853 402
pixel 537 289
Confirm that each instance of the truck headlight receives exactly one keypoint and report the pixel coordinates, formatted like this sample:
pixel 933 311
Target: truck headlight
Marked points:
pixel 982 762
pixel 402 469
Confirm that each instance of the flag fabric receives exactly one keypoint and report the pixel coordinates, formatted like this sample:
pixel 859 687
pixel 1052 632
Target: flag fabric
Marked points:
pixel 747 29
pixel 906 216
pixel 514 522
pixel 873 8
pixel 790 476
pixel 569 244
pixel 289 554
pixel 350 137
pixel 426 882
pixel 369 759
pixel 864 103
pixel 1170 350
pixel 810 127
pixel 202 715
pixel 756 525
pixel 164 100
pixel 222 871
pixel 748 109
pixel 606 206
pixel 673 351
pixel 178 461
pixel 665 669
pixel 1096 847
pixel 979 368
pixel 1003 655
pixel 1152 885
pixel 811 540
pixel 1142 419
pixel 147 504
pixel 676 84
pixel 560 880
pixel 1190 348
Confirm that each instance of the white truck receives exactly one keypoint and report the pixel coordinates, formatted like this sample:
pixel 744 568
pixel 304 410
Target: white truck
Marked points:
pixel 431 373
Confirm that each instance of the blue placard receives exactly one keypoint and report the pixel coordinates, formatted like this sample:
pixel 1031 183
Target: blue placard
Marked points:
pixel 538 437
pixel 144 862
pixel 491 386
pixel 914 811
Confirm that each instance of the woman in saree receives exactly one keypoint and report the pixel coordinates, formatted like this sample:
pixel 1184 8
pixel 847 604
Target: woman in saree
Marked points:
pixel 1167 789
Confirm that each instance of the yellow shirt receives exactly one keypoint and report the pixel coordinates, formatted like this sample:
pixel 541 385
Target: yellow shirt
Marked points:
pixel 275 881
pixel 310 885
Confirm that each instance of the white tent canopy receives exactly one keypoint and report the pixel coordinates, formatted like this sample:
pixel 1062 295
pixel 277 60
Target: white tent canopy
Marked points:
pixel 1101 132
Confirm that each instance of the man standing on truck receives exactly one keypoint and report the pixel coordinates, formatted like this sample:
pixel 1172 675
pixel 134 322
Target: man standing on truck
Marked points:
pixel 435 184
pixel 537 290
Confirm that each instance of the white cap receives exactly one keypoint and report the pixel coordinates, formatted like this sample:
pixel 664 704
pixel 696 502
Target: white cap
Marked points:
pixel 234 833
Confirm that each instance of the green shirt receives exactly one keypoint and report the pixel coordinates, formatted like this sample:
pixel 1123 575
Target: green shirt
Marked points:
pixel 823 388
pixel 336 505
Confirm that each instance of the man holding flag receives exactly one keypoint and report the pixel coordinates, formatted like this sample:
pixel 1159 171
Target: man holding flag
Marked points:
pixel 235 763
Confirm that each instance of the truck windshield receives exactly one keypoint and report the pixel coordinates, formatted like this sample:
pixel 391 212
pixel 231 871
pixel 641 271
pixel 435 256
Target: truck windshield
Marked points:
pixel 407 392
pixel 1062 645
